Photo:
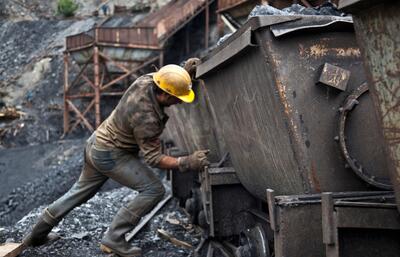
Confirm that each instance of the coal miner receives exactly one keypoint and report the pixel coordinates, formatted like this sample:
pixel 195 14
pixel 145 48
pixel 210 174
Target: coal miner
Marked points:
pixel 112 152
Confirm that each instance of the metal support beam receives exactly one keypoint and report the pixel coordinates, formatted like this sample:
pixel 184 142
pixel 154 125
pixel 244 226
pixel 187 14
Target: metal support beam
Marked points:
pixel 97 85
pixel 207 12
pixel 82 70
pixel 83 114
pixel 161 59
pixel 80 116
pixel 329 230
pixel 66 86
pixel 109 84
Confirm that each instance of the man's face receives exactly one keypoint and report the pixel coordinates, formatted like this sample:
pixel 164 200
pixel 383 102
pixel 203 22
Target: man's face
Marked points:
pixel 168 100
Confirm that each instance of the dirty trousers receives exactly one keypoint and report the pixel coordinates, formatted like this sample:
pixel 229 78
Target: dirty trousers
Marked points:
pixel 119 165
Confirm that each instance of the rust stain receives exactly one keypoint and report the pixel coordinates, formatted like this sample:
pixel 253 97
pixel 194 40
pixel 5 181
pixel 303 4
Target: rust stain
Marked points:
pixel 351 51
pixel 288 110
pixel 314 178
pixel 282 93
pixel 320 50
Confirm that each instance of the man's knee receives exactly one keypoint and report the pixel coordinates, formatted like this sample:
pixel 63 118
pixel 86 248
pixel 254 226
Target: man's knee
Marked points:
pixel 155 190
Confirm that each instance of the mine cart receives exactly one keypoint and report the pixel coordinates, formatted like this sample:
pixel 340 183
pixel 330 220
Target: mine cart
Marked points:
pixel 283 104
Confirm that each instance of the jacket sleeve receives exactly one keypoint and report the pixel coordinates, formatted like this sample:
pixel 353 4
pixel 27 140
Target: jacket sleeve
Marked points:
pixel 147 133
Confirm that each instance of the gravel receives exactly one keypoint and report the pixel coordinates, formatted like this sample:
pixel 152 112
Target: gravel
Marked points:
pixel 82 229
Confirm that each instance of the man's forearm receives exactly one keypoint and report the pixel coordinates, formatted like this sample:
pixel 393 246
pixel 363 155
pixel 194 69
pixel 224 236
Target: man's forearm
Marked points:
pixel 168 162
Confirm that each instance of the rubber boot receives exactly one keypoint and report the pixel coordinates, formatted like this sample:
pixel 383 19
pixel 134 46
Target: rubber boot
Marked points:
pixel 40 233
pixel 114 239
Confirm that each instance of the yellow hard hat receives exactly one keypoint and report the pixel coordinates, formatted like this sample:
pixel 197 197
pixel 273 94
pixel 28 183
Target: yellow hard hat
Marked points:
pixel 176 81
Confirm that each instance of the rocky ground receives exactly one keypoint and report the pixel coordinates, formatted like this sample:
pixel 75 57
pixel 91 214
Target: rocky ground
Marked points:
pixel 83 228
pixel 48 171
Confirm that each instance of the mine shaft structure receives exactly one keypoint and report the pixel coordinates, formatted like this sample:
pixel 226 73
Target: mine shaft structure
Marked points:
pixel 103 61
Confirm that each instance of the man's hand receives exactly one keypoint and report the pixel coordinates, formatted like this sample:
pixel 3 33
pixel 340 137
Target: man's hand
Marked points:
pixel 196 161
pixel 191 65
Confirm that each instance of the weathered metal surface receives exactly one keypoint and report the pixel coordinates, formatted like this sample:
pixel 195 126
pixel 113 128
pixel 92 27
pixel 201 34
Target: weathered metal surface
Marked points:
pixel 300 218
pixel 79 40
pixel 135 37
pixel 172 16
pixel 223 176
pixel 278 128
pixel 225 54
pixel 374 226
pixel 377 177
pixel 377 25
pixel 225 202
pixel 299 231
pixel 334 76
pixel 125 36
pixel 356 5
pixel 193 126
pixel 196 126
pixel 149 33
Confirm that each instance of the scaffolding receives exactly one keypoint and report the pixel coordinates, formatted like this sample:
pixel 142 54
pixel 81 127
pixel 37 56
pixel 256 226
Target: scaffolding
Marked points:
pixel 104 58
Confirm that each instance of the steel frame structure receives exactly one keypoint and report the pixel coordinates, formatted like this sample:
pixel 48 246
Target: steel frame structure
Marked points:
pixel 93 86
pixel 94 80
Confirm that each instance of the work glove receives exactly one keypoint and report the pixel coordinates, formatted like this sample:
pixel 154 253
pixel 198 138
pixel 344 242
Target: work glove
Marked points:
pixel 196 161
pixel 190 66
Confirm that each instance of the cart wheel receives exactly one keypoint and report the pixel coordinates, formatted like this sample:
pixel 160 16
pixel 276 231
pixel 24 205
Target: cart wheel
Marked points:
pixel 253 243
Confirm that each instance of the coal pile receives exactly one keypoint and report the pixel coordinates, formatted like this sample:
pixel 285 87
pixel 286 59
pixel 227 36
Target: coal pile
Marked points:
pixel 296 9
pixel 83 228
pixel 31 78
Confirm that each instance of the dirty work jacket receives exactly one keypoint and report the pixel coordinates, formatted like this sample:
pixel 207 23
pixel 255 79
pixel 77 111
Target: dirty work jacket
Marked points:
pixel 136 123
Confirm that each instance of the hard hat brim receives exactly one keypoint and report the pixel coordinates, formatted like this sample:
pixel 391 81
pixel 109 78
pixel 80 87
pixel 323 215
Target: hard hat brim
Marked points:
pixel 187 98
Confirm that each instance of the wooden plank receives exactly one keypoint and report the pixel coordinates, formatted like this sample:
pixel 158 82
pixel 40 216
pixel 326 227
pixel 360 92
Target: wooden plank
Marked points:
pixel 11 249
pixel 164 234
pixel 148 217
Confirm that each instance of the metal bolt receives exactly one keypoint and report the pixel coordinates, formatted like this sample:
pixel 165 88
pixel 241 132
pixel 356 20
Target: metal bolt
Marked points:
pixel 336 138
